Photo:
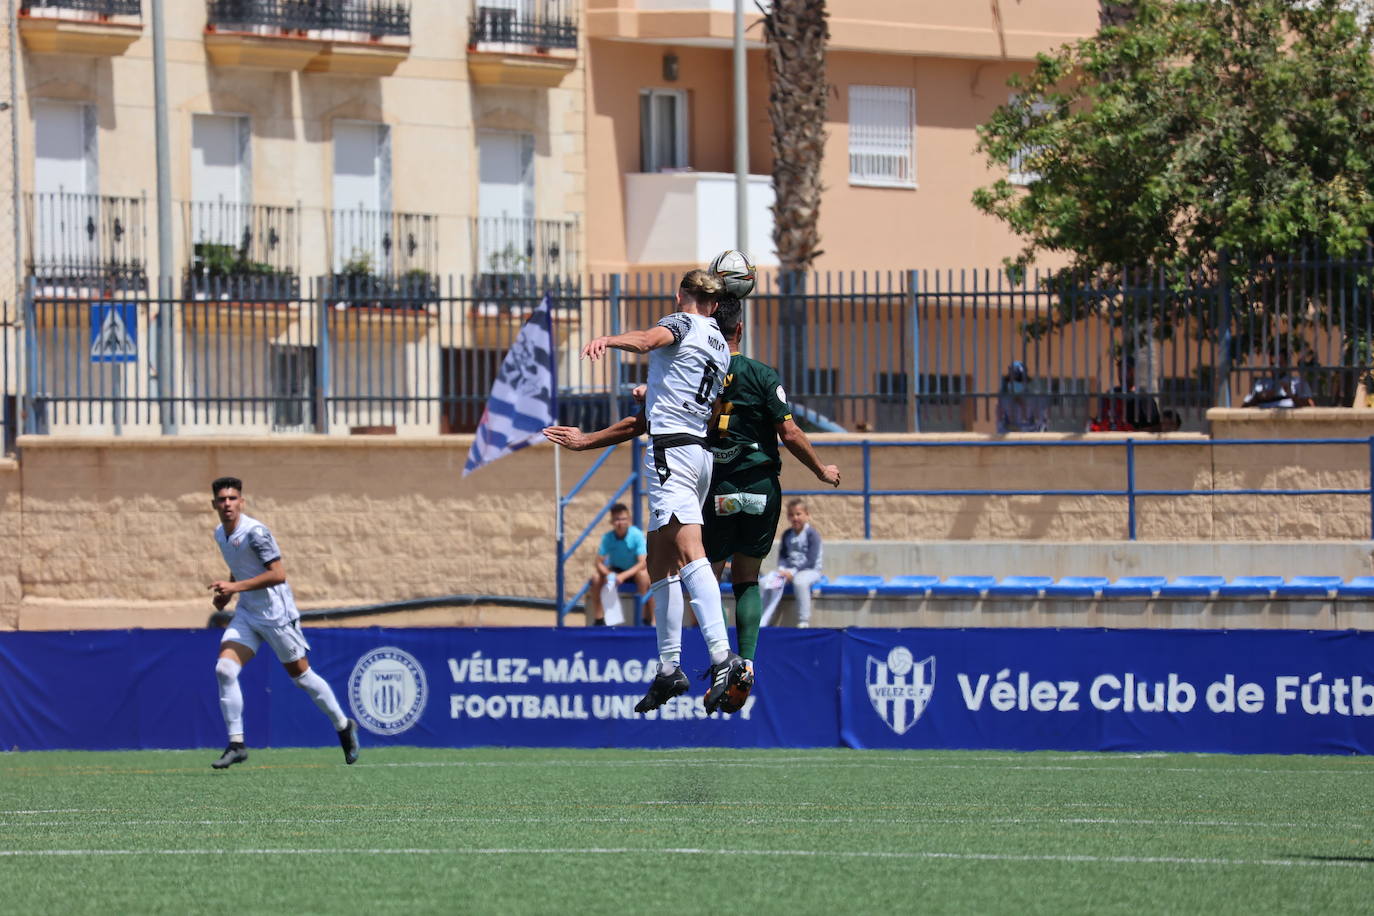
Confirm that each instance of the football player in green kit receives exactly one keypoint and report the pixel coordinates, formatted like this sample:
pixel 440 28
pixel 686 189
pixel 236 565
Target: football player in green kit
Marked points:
pixel 745 503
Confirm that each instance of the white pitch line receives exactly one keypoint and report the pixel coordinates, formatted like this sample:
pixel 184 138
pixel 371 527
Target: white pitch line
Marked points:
pixel 657 819
pixel 778 853
pixel 780 763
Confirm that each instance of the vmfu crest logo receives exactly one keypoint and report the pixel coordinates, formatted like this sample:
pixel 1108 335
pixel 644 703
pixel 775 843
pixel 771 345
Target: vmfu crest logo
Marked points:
pixel 900 687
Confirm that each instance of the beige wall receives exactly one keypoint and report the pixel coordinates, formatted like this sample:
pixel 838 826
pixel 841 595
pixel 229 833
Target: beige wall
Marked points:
pixel 115 532
pixel 957 57
pixel 429 103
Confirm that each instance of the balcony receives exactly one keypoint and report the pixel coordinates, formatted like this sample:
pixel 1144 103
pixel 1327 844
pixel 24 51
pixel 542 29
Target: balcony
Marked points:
pixel 358 37
pixel 383 258
pixel 507 250
pixel 86 244
pixel 95 28
pixel 525 44
pixel 678 218
pixel 241 251
pixel 975 31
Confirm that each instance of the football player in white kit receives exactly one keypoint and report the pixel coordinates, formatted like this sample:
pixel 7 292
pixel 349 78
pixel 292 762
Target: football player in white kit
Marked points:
pixel 266 613
pixel 688 358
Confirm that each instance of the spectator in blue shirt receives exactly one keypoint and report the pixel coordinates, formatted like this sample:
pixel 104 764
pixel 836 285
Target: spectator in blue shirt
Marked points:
pixel 622 554
pixel 799 562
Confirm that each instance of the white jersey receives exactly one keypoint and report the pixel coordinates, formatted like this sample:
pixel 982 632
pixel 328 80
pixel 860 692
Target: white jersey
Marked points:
pixel 686 377
pixel 247 552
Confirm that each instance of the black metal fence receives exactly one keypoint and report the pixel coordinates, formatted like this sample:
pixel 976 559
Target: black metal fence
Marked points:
pixel 86 241
pixel 540 25
pixel 248 246
pixel 368 17
pixel 94 7
pixel 890 352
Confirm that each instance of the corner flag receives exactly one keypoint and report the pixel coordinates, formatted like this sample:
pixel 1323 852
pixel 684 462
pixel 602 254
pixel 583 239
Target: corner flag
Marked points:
pixel 522 397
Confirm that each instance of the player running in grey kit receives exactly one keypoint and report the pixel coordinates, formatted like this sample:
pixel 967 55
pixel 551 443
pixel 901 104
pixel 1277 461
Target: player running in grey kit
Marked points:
pixel 266 613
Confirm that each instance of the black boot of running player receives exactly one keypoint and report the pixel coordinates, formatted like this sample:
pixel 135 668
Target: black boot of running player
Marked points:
pixel 722 674
pixel 234 753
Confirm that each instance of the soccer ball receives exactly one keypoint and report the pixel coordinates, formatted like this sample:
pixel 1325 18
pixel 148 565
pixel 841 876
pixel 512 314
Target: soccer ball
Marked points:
pixel 736 270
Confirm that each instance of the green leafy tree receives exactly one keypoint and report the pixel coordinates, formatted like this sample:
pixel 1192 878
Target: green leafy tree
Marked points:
pixel 1202 139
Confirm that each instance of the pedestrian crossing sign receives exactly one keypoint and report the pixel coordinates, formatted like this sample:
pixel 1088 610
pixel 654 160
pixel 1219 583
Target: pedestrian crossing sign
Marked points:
pixel 114 332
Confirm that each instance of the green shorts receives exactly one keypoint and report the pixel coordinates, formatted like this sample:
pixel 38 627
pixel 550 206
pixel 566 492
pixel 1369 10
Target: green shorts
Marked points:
pixel 741 519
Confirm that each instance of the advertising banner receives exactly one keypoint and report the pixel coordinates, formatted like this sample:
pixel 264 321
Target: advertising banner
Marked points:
pixel 1251 691
pixel 1225 691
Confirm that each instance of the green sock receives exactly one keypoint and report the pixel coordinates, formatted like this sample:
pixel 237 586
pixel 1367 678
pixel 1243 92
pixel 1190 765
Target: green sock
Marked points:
pixel 748 613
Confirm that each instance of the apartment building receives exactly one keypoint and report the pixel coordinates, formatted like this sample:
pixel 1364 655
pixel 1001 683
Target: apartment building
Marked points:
pixel 355 150
pixel 910 80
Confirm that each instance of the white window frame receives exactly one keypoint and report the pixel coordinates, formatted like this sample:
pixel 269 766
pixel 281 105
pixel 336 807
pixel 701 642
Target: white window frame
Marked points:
pixel 648 151
pixel 1016 168
pixel 882 136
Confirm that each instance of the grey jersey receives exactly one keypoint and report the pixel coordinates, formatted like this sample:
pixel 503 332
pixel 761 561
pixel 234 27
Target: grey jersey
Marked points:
pixel 686 377
pixel 247 552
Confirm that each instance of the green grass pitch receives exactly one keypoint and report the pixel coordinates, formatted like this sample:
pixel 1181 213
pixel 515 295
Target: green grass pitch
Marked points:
pixel 684 831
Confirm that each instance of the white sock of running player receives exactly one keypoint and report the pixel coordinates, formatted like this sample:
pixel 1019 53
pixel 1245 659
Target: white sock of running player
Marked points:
pixel 668 622
pixel 230 697
pixel 704 591
pixel 323 695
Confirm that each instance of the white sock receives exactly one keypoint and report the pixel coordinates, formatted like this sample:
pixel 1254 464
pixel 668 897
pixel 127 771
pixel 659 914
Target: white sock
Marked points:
pixel 320 692
pixel 230 697
pixel 668 622
pixel 704 590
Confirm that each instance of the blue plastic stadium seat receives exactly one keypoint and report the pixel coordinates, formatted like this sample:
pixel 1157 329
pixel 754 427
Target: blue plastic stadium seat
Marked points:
pixel 1249 587
pixel 1134 587
pixel 1020 587
pixel 1358 587
pixel 849 587
pixel 1076 587
pixel 907 586
pixel 628 588
pixel 962 587
pixel 1191 587
pixel 1308 587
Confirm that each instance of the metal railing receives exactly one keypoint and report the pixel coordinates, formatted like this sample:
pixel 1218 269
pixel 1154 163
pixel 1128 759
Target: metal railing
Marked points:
pixel 94 7
pixel 508 247
pixel 250 250
pixel 378 246
pixel 369 17
pixel 86 241
pixel 421 351
pixel 539 25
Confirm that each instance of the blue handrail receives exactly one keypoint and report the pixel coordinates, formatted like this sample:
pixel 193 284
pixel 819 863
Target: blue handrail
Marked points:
pixel 565 554
pixel 1129 491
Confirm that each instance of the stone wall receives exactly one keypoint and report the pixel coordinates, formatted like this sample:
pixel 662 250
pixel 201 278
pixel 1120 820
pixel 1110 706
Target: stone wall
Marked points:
pixel 111 532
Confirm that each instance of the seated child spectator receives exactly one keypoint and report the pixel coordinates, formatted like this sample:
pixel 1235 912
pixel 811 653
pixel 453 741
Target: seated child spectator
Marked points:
pixel 799 562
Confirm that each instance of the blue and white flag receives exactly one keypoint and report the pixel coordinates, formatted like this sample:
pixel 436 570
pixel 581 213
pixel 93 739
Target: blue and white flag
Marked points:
pixel 522 397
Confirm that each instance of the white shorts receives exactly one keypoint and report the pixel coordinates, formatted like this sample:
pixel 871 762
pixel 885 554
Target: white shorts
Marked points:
pixel 679 479
pixel 287 641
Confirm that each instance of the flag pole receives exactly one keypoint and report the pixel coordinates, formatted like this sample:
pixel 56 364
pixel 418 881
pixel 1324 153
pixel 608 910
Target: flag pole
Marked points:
pixel 560 585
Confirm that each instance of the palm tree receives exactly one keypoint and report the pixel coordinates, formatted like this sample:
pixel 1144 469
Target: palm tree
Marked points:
pixel 796 33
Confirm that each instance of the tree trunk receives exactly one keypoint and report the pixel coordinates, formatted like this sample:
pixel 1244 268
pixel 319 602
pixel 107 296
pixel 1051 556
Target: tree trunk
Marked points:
pixel 796 32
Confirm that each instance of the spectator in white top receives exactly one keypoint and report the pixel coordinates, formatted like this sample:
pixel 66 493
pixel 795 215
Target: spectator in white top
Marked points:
pixel 799 562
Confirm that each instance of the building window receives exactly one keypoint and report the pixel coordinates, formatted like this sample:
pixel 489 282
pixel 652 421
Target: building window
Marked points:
pixel 1020 172
pixel 362 197
pixel 662 129
pixel 882 136
pixel 505 202
pixel 221 187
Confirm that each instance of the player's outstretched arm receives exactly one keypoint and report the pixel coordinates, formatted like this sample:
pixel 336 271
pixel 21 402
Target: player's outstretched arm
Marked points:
pixel 630 341
pixel 801 448
pixel 574 439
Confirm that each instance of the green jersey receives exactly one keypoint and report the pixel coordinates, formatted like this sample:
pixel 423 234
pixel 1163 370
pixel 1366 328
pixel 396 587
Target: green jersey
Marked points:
pixel 754 403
